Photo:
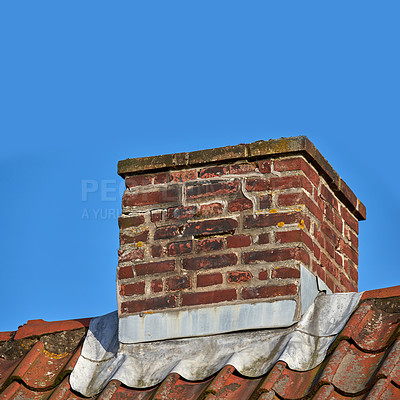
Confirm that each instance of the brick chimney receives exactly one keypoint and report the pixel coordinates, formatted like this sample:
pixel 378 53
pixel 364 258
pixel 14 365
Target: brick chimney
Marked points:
pixel 227 239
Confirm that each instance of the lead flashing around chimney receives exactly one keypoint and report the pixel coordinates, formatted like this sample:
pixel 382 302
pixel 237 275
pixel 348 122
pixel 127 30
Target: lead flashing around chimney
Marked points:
pixel 217 319
pixel 252 151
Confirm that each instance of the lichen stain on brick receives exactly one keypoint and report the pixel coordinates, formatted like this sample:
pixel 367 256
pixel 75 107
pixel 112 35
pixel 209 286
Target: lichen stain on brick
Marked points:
pixel 280 224
pixel 301 224
pixel 273 211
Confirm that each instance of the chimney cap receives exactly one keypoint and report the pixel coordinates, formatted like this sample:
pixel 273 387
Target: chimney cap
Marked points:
pixel 252 151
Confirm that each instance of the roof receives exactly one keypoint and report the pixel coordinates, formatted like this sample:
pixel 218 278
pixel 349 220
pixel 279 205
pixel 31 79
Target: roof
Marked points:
pixel 252 151
pixel 363 362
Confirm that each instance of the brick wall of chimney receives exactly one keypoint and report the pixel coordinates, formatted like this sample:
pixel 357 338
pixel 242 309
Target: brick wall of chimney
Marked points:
pixel 231 232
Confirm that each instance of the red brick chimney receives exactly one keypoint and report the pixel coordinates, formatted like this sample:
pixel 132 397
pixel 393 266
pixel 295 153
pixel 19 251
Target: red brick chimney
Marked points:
pixel 224 231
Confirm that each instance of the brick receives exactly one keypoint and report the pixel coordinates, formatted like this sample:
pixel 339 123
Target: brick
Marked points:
pixel 154 303
pixel 217 296
pixel 210 227
pixel 273 255
pixel 347 284
pixel 329 266
pixel 205 189
pixel 352 272
pixel 290 182
pixel 329 197
pixel 257 185
pixel 156 216
pixel 329 233
pixel 212 172
pixel 292 199
pixel 265 166
pixel 160 178
pixel 338 222
pixel 156 251
pixel 208 262
pixel 350 219
pixel 181 212
pixel 350 253
pixel 263 275
pixel 236 241
pixel 297 163
pixel 210 245
pixel 330 249
pixel 264 220
pixel 178 283
pixel 338 259
pixel 240 205
pixel 149 198
pixel 241 168
pixel 268 291
pixel 141 237
pixel 127 222
pixel 265 201
pixel 138 180
pixel 263 238
pixel 294 236
pixel 157 267
pixel 132 289
pixel 166 232
pixel 239 276
pixel 209 279
pixel 317 251
pixel 156 286
pixel 175 249
pixel 353 239
pixel 286 273
pixel 182 176
pixel 209 210
pixel 318 270
pixel 130 255
pixel 125 273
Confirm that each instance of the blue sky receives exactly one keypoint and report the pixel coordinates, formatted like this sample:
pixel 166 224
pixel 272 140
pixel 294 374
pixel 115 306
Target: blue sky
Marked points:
pixel 85 84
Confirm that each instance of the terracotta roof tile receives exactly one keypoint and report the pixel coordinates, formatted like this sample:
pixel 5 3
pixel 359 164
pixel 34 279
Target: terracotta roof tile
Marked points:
pixel 362 363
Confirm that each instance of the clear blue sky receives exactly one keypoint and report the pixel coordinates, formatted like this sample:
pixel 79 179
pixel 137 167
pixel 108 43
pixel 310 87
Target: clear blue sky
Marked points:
pixel 84 84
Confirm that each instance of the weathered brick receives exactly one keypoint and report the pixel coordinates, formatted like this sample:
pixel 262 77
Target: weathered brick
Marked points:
pixel 265 201
pixel 273 255
pixel 157 267
pixel 210 245
pixel 210 227
pixel 160 178
pixel 208 262
pixel 292 199
pixel 125 273
pixel 212 172
pixel 130 255
pixel 263 275
pixel 166 232
pixel 240 205
pixel 141 237
pixel 263 238
pixel 132 289
pixel 347 284
pixel 138 180
pixel 236 241
pixel 156 216
pixel 181 212
pixel 297 163
pixel 350 219
pixel 239 276
pixel 156 251
pixel 127 222
pixel 264 220
pixel 285 273
pixel 329 197
pixel 156 286
pixel 330 248
pixel 209 279
pixel 242 168
pixel 257 185
pixel 178 248
pixel 149 198
pixel 213 188
pixel 290 182
pixel 329 233
pixel 350 253
pixel 328 265
pixel 268 291
pixel 153 303
pixel 265 166
pixel 294 236
pixel 178 283
pixel 209 210
pixel 183 176
pixel 217 296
